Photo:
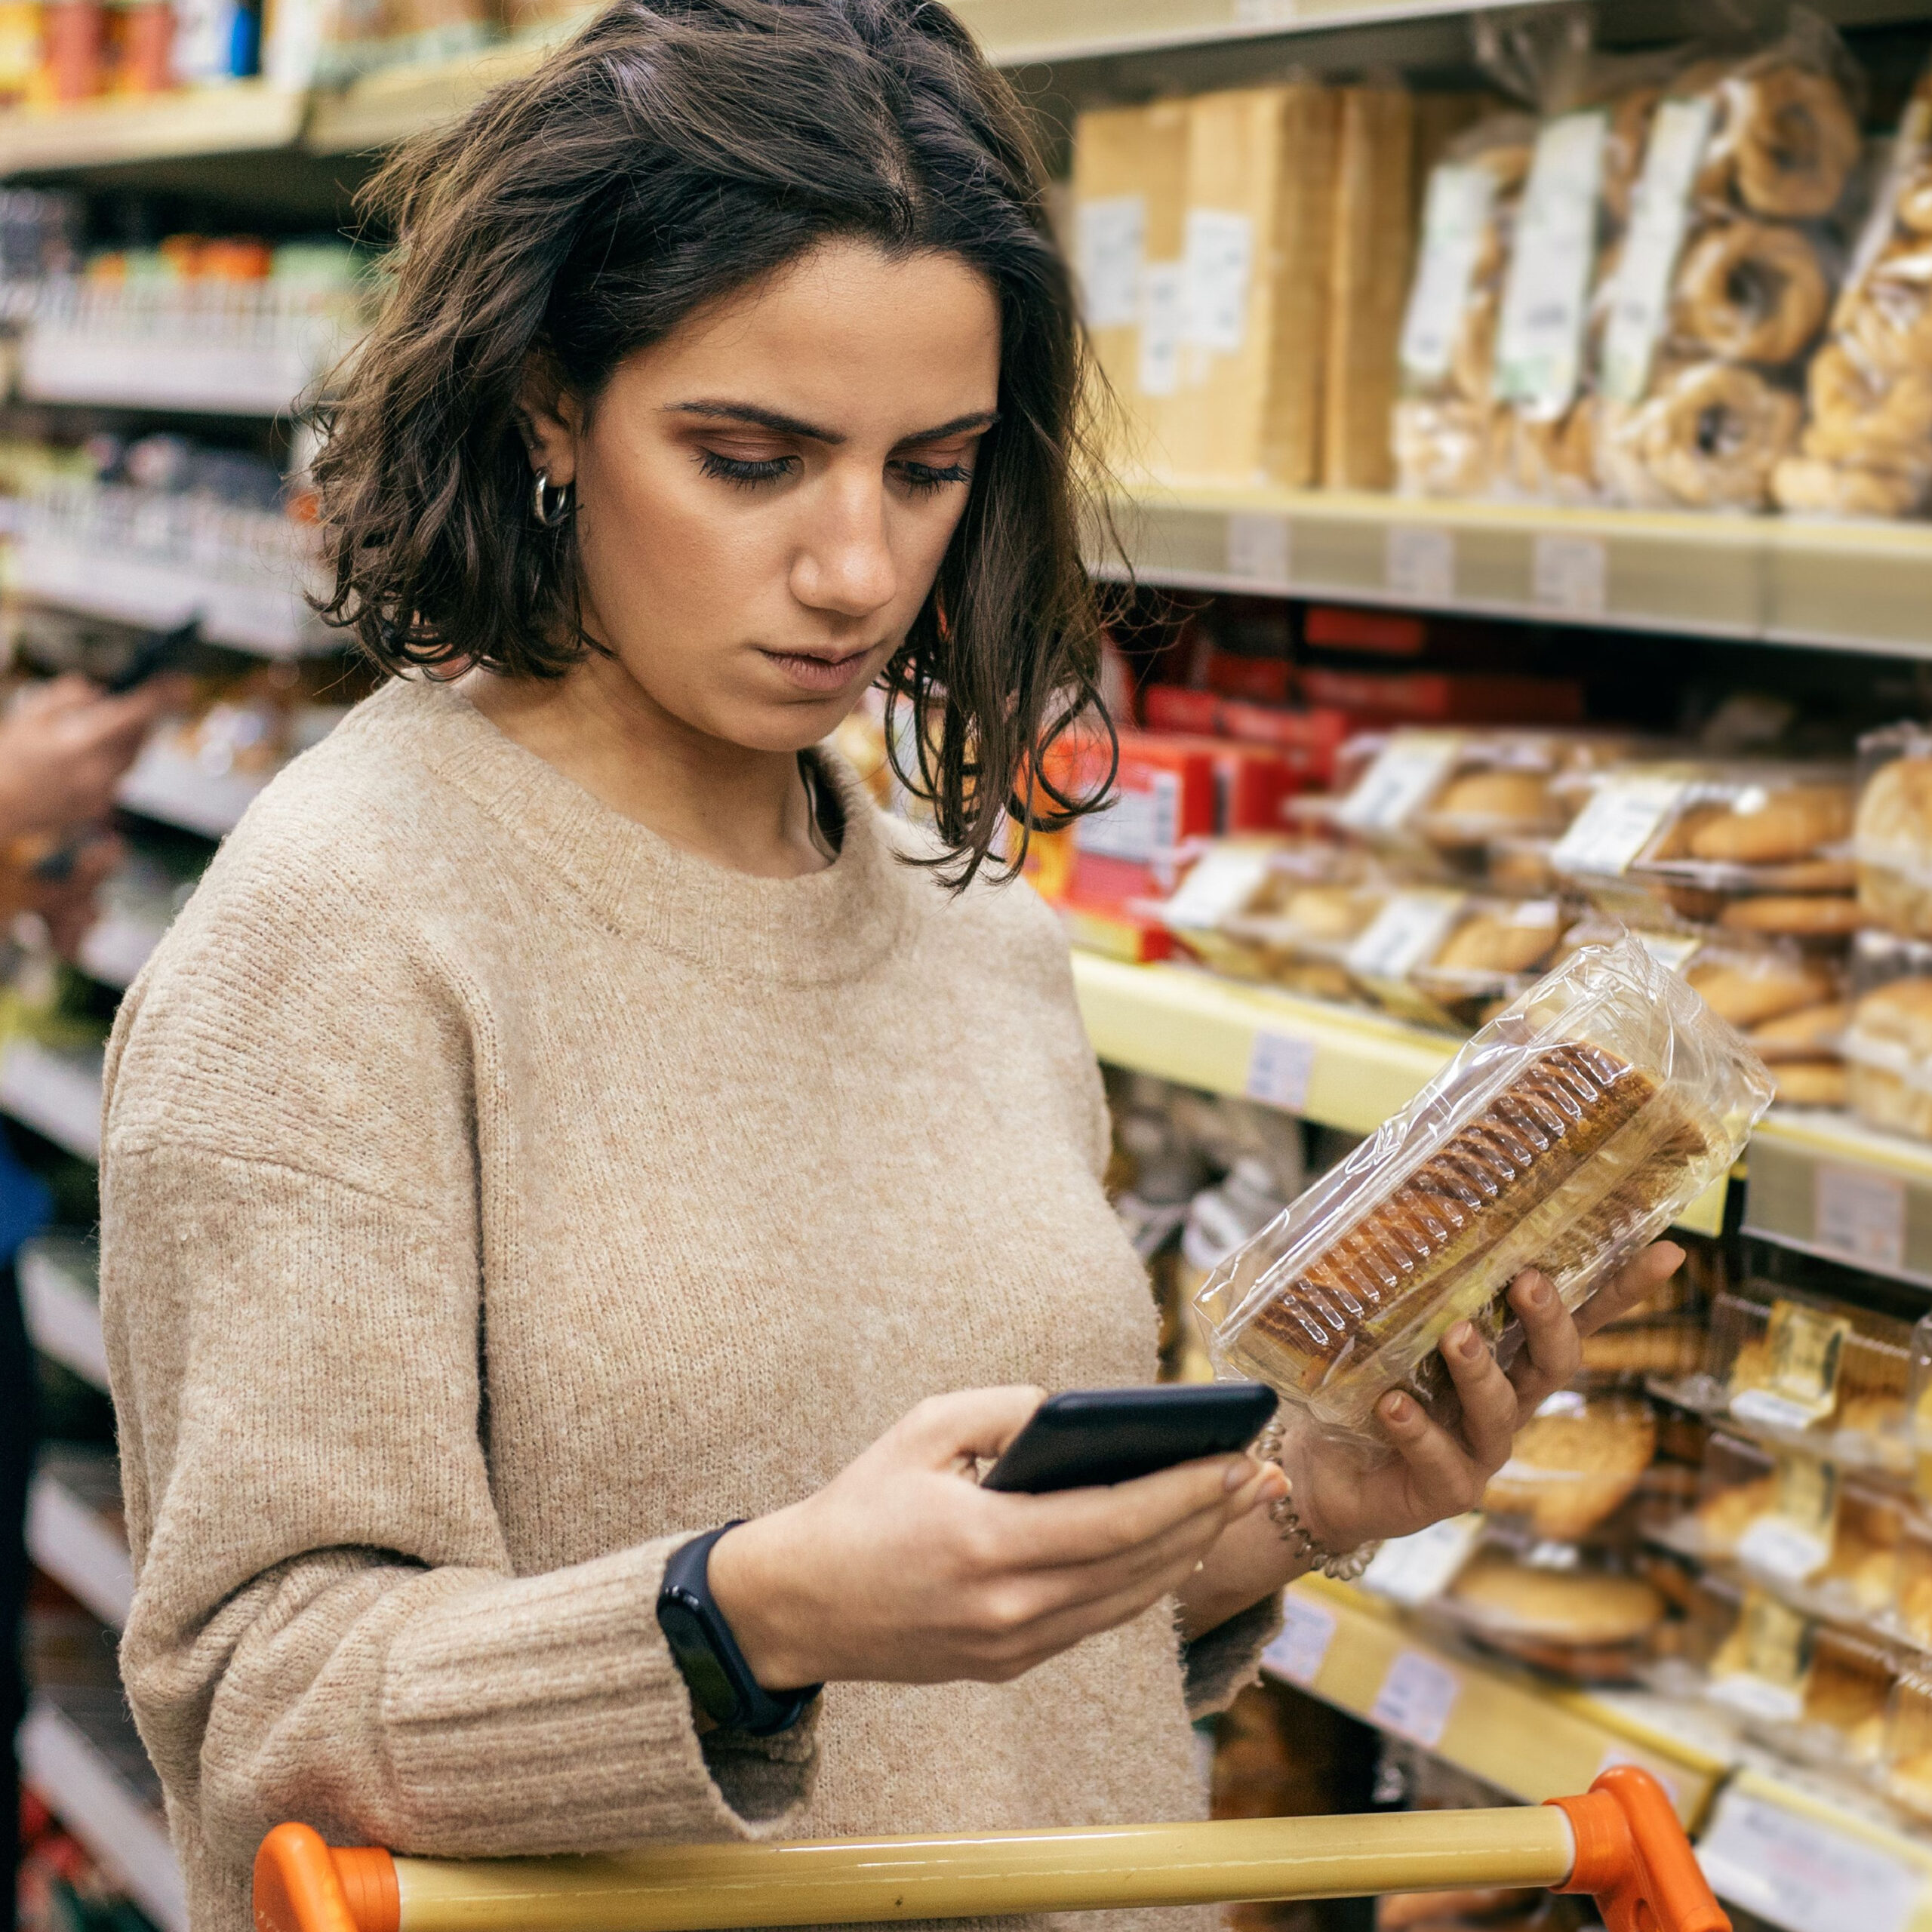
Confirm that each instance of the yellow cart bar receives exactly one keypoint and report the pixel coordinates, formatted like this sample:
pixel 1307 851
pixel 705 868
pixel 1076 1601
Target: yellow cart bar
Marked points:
pixel 1621 1843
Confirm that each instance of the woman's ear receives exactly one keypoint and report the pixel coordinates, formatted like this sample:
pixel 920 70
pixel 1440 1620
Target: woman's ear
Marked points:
pixel 549 419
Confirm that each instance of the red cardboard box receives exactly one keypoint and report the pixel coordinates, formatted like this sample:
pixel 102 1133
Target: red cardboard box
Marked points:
pixel 1175 708
pixel 1307 739
pixel 1460 697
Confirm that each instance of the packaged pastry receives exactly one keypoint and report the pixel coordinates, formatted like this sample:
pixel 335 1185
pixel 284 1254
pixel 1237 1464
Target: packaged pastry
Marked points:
pixel 1866 447
pixel 1573 1462
pixel 1763 1668
pixel 1589 1623
pixel 1798 1367
pixel 1445 425
pixel 1908 1745
pixel 1725 281
pixel 1736 1485
pixel 1847 1692
pixel 1750 987
pixel 1887 1045
pixel 1808 1035
pixel 1570 1130
pixel 1892 832
pixel 1755 848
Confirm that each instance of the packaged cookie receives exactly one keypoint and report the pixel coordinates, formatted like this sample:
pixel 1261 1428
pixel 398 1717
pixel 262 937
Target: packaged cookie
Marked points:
pixel 1907 1751
pixel 1892 832
pixel 1846 1693
pixel 1574 1463
pixel 1592 1624
pixel 1761 850
pixel 1570 1130
pixel 1445 427
pixel 1887 1041
pixel 1866 447
pixel 1725 281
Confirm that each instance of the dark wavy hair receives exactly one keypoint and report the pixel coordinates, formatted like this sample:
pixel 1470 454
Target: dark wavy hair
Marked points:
pixel 673 151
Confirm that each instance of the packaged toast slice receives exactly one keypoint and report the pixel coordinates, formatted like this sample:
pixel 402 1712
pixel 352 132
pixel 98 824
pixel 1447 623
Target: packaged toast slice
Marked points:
pixel 1570 1131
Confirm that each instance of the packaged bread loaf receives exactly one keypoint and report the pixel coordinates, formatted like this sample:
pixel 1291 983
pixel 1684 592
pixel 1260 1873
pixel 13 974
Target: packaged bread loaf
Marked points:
pixel 1892 833
pixel 1130 177
pixel 1725 282
pixel 1246 407
pixel 1567 1133
pixel 1372 253
pixel 1444 429
pixel 1866 447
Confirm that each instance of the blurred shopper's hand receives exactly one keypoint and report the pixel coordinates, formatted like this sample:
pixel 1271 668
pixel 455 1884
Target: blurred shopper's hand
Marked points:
pixel 67 903
pixel 64 744
pixel 903 1570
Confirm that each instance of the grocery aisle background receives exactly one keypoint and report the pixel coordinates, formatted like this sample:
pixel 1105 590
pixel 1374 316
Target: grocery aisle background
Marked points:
pixel 1524 442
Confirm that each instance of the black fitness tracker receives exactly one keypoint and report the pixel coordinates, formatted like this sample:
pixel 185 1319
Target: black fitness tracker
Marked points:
pixel 708 1654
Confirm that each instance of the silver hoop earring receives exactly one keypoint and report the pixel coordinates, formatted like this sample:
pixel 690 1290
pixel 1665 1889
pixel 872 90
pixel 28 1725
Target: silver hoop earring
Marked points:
pixel 550 512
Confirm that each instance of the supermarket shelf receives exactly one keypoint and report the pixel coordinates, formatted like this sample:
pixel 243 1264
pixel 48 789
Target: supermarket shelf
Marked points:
pixel 62 1302
pixel 1803 1859
pixel 57 1094
pixel 79 1751
pixel 389 104
pixel 1508 1728
pixel 164 784
pixel 243 118
pixel 72 1535
pixel 208 378
pixel 1331 1064
pixel 269 616
pixel 1787 580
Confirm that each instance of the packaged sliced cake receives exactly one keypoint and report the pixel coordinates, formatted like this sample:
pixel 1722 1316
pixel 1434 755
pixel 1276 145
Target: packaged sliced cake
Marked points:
pixel 1568 1132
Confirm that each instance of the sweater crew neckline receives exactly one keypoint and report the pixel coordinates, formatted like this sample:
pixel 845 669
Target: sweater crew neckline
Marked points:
pixel 818 928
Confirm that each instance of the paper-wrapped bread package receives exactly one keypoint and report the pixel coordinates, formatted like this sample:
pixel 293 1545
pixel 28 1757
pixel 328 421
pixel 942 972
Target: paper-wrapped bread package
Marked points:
pixel 1568 1132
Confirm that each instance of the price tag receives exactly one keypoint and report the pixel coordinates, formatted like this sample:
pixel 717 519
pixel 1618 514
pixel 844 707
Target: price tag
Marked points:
pixel 1457 214
pixel 1163 289
pixel 1140 826
pixel 1221 883
pixel 1797 1871
pixel 1407 932
pixel 1267 13
pixel 1769 1655
pixel 1859 1214
pixel 1793 1541
pixel 1419 563
pixel 1570 573
pixel 1308 1629
pixel 1403 777
pixel 1622 816
pixel 1415 1699
pixel 1279 1067
pixel 1641 296
pixel 1111 238
pixel 1545 298
pixel 1219 263
pixel 1259 547
pixel 1415 1570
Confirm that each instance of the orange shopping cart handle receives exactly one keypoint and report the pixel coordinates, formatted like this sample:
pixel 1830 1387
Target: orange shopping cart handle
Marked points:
pixel 1621 1843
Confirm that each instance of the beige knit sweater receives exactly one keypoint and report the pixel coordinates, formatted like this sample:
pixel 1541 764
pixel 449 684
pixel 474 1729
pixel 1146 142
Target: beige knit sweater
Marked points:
pixel 495 1196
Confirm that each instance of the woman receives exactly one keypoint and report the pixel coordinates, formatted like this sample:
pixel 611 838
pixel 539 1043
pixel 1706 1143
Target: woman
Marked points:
pixel 569 1121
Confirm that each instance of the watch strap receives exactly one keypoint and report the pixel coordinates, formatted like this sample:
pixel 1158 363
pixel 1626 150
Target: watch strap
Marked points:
pixel 706 1652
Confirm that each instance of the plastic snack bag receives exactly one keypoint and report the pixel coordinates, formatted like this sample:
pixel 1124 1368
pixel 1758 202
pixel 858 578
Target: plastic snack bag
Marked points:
pixel 1724 281
pixel 1867 446
pixel 1570 1131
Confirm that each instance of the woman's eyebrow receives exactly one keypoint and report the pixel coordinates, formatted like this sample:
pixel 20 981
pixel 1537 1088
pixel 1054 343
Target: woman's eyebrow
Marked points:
pixel 791 425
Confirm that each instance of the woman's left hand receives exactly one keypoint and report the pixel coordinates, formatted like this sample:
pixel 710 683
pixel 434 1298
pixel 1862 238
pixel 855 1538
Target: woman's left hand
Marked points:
pixel 1435 1473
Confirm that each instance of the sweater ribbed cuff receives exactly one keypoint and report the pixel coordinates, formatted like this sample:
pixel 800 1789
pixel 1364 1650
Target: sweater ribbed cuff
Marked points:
pixel 1223 1662
pixel 555 1700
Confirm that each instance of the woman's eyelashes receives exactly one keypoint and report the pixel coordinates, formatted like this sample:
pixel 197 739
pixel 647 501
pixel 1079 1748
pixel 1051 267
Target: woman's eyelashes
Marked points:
pixel 750 472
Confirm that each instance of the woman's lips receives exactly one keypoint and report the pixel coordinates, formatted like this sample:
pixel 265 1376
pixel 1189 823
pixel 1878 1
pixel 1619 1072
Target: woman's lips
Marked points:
pixel 818 674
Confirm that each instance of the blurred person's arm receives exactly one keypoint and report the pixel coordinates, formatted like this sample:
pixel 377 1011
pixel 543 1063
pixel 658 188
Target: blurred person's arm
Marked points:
pixel 64 745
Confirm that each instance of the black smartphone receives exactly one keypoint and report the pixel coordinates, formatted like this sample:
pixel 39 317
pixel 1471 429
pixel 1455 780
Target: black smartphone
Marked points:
pixel 159 651
pixel 1090 1437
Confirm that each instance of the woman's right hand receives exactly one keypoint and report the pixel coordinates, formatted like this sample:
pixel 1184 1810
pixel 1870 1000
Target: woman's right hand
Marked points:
pixel 903 1570
pixel 64 744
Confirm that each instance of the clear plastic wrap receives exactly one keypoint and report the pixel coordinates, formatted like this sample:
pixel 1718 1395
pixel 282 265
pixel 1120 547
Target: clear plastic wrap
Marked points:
pixel 1445 421
pixel 1587 1623
pixel 1892 832
pixel 1866 448
pixel 1570 1131
pixel 1908 1747
pixel 1726 278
